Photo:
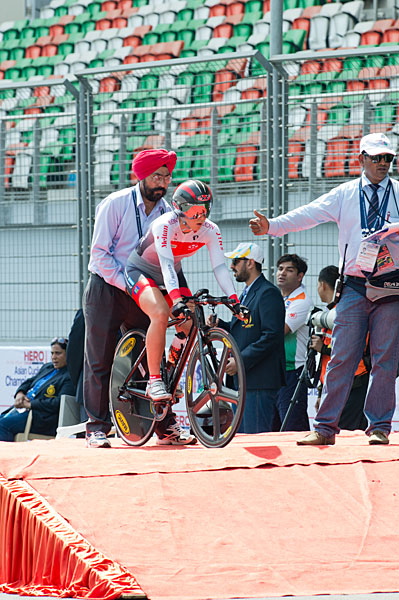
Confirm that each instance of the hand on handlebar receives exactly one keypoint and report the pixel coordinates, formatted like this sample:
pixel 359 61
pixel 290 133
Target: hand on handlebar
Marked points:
pixel 181 308
pixel 241 312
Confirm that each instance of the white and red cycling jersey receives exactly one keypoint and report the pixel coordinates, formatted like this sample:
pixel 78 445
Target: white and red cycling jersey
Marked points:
pixel 160 251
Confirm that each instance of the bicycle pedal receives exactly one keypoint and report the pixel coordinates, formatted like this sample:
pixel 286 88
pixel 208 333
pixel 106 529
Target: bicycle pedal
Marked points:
pixel 159 409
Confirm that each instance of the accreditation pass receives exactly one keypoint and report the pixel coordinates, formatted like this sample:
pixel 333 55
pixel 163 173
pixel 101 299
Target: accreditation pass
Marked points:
pixel 367 256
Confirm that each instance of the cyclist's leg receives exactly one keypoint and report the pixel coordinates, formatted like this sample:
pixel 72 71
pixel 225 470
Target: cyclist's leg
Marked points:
pixel 150 299
pixel 181 330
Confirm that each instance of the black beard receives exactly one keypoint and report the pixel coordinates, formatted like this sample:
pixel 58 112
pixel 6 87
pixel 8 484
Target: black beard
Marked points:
pixel 150 194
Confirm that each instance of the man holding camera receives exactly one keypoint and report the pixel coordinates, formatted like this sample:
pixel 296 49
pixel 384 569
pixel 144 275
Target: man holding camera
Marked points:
pixel 360 208
pixel 352 416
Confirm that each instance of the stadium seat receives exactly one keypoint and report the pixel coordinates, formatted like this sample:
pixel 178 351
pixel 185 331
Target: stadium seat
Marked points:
pixel 320 26
pixel 336 159
pixel 344 21
pixel 296 151
pixel 247 154
pixel 303 22
pixel 289 16
pixel 352 37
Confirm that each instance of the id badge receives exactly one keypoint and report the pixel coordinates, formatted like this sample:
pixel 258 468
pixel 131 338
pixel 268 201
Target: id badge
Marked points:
pixel 367 256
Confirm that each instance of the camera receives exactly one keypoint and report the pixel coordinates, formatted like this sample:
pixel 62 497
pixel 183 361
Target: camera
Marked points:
pixel 323 319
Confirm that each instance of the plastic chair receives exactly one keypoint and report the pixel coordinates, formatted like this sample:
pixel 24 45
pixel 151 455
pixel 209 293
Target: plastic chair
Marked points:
pixel 69 421
pixel 27 435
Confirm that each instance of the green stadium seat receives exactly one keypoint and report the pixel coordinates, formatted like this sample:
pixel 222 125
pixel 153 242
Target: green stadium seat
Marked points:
pixel 226 162
pixel 386 112
pixel 293 41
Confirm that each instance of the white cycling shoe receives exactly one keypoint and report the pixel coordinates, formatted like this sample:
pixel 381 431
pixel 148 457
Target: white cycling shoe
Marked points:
pixel 156 390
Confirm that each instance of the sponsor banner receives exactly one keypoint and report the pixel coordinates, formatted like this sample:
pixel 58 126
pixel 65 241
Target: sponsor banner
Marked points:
pixel 18 363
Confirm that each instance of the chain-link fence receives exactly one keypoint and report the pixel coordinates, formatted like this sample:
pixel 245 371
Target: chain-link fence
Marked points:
pixel 269 134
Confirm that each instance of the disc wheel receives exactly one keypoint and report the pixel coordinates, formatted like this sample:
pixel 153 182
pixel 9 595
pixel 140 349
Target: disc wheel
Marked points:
pixel 215 413
pixel 130 408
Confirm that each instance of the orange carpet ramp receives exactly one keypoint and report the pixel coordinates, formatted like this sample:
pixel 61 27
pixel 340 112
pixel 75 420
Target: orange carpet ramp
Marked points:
pixel 261 517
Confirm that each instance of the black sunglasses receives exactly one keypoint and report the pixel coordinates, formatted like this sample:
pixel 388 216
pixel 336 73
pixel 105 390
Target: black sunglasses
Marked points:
pixel 235 261
pixel 378 158
pixel 59 340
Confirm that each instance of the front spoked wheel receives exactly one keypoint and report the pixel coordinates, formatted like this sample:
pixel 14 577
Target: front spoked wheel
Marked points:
pixel 130 409
pixel 215 401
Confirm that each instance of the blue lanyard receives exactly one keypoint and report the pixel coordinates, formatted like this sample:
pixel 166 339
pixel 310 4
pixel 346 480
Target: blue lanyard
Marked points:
pixel 31 394
pixel 381 213
pixel 138 221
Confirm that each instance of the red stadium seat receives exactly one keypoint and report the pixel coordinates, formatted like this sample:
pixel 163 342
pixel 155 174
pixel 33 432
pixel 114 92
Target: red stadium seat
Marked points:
pixel 353 164
pixel 217 10
pixel 235 7
pixel 335 163
pixel 370 38
pixel 333 64
pixel 123 4
pixel 109 85
pixel 296 150
pixel 390 35
pixel 311 66
pixel 383 24
pixel 226 29
pixel 56 29
pixel 109 5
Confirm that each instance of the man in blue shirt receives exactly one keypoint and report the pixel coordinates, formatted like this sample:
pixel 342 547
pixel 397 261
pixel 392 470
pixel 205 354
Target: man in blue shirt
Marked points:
pixel 41 394
pixel 121 220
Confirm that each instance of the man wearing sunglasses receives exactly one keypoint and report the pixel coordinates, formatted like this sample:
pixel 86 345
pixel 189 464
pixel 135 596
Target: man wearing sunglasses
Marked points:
pixel 260 339
pixel 360 208
pixel 41 394
pixel 121 220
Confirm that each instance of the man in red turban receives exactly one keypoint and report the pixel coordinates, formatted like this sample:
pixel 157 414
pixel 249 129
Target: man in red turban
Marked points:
pixel 153 168
pixel 148 161
pixel 121 220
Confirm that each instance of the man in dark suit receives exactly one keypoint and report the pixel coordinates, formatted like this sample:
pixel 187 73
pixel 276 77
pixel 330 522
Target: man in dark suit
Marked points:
pixel 260 339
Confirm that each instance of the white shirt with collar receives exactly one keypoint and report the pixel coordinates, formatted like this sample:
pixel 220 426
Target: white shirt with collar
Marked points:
pixel 341 205
pixel 116 235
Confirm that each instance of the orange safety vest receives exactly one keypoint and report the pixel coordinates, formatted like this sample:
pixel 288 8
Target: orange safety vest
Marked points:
pixel 361 370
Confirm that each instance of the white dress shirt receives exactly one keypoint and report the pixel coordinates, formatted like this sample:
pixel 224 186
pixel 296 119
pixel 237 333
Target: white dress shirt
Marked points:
pixel 115 233
pixel 342 205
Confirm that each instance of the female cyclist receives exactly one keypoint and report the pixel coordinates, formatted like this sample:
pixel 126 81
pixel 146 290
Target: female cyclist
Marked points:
pixel 156 262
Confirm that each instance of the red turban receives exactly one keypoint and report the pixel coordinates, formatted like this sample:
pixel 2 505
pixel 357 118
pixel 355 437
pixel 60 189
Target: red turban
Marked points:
pixel 148 161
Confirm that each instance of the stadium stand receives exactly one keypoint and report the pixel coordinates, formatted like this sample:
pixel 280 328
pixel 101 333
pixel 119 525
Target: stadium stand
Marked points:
pixel 72 36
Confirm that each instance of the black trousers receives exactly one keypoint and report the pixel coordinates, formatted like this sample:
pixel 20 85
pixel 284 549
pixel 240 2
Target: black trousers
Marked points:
pixel 106 309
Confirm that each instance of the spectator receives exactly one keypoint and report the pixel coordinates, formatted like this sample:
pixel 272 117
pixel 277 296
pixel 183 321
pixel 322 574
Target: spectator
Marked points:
pixel 352 416
pixel 42 394
pixel 121 220
pixel 290 272
pixel 261 339
pixel 359 207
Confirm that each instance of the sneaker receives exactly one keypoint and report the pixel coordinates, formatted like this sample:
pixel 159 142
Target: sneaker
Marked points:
pixel 174 435
pixel 316 439
pixel 156 390
pixel 378 437
pixel 97 439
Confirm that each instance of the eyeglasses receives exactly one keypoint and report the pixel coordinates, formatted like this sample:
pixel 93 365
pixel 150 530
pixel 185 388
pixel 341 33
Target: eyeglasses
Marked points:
pixel 379 157
pixel 157 178
pixel 59 340
pixel 235 261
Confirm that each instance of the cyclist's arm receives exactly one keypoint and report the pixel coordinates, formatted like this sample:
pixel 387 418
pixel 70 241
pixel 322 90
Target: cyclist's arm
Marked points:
pixel 222 274
pixel 162 236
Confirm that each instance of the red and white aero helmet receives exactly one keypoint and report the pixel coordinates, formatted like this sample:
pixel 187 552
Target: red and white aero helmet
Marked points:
pixel 192 199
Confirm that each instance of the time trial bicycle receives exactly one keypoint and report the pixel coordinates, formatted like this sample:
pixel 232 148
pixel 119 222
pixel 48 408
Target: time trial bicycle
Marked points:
pixel 214 400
